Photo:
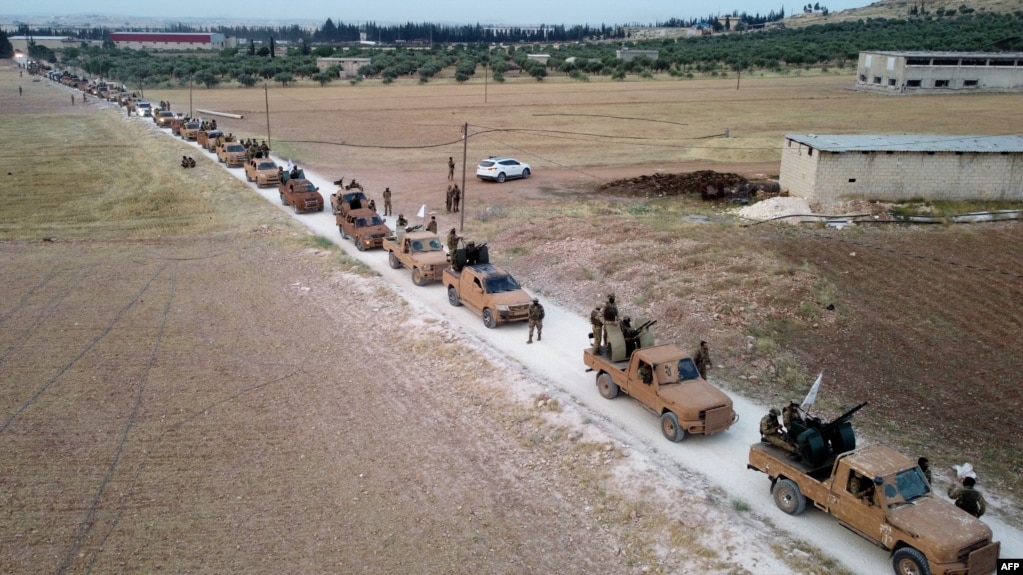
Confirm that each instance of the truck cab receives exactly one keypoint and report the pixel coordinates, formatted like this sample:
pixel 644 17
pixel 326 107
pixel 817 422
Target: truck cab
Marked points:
pixel 300 194
pixel 418 251
pixel 364 226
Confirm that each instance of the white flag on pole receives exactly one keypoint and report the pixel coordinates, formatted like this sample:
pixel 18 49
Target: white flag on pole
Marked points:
pixel 422 212
pixel 812 396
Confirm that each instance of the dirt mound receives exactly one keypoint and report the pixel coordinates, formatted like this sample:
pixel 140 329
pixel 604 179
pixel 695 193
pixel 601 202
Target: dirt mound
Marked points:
pixel 708 183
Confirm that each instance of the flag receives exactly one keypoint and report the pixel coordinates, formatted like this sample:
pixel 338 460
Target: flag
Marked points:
pixel 422 212
pixel 812 396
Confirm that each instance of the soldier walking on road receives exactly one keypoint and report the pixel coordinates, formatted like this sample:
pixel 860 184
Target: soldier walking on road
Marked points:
pixel 451 168
pixel 447 199
pixel 72 99
pixel 968 498
pixel 387 201
pixel 536 315
pixel 702 359
pixel 597 325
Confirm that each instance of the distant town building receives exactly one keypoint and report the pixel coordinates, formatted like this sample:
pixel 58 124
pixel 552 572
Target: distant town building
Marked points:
pixel 541 58
pixel 899 167
pixel 168 40
pixel 627 54
pixel 914 72
pixel 349 66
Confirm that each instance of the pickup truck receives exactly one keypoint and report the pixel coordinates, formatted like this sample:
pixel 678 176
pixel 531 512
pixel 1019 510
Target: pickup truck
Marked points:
pixel 485 288
pixel 263 171
pixel 883 496
pixel 663 379
pixel 421 252
pixel 364 226
pixel 190 129
pixel 300 194
pixel 207 139
pixel 230 153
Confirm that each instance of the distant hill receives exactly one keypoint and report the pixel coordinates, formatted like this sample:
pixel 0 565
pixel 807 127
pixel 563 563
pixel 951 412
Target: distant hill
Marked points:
pixel 900 9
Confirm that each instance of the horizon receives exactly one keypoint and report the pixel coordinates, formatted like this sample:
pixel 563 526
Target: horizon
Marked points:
pixel 441 12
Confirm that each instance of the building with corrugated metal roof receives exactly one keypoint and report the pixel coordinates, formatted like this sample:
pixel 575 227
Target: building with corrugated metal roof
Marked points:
pixel 918 72
pixel 168 40
pixel 823 168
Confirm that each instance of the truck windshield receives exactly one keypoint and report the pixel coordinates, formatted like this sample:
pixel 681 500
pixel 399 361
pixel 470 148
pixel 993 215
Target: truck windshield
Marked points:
pixel 501 283
pixel 907 486
pixel 687 369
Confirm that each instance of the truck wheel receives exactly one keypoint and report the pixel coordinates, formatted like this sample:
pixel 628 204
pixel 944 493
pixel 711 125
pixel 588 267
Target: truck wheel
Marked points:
pixel 670 427
pixel 607 388
pixel 909 561
pixel 284 202
pixel 341 230
pixel 358 243
pixel 295 206
pixel 525 174
pixel 788 498
pixel 417 276
pixel 393 261
pixel 453 297
pixel 488 318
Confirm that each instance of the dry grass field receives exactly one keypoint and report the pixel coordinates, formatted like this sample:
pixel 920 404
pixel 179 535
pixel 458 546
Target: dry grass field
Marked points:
pixel 169 376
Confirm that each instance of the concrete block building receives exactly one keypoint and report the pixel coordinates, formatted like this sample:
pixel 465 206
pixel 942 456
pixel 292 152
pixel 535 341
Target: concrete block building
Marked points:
pixel 349 67
pixel 824 168
pixel 920 72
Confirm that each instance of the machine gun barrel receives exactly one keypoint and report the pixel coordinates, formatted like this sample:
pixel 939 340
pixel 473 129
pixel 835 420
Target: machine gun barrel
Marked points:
pixel 646 325
pixel 842 418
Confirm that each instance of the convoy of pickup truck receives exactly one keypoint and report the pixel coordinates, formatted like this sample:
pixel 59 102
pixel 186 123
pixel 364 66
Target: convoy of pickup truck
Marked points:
pixel 874 491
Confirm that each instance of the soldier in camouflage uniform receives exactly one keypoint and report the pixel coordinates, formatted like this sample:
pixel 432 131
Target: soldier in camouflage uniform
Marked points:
pixel 968 498
pixel 387 201
pixel 597 325
pixel 536 314
pixel 610 313
pixel 453 238
pixel 771 431
pixel 702 359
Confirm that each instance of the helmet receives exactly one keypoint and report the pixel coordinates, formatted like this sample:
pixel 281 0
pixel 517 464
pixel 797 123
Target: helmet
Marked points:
pixel 626 319
pixel 611 297
pixel 536 300
pixel 774 411
pixel 453 230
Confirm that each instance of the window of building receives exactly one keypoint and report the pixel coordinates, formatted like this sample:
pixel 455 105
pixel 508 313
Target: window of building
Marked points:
pixel 912 83
pixel 1003 62
pixel 918 62
pixel 974 62
pixel 941 83
pixel 946 62
pixel 809 151
pixel 863 78
pixel 970 83
pixel 877 79
pixel 852 180
pixel 891 81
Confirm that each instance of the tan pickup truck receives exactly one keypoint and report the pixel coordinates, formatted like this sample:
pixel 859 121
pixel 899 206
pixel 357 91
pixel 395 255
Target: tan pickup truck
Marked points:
pixel 485 288
pixel 208 139
pixel 883 496
pixel 190 129
pixel 300 194
pixel 364 226
pixel 418 251
pixel 663 379
pixel 263 171
pixel 231 153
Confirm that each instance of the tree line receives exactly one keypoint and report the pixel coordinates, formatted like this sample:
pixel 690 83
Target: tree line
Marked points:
pixel 824 45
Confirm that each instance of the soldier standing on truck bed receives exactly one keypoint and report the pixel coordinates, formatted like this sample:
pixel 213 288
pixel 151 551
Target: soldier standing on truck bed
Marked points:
pixel 432 226
pixel 536 315
pixel 453 238
pixel 610 314
pixel 597 325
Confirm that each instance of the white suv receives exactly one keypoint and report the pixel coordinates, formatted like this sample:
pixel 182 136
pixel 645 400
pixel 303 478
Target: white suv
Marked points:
pixel 500 169
pixel 144 109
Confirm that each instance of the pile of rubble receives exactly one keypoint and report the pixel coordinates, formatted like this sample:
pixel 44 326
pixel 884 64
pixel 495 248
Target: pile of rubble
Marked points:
pixel 709 184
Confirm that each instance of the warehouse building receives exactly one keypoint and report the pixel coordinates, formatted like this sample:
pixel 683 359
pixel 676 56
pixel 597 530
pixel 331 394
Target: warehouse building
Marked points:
pixel 921 72
pixel 168 40
pixel 824 168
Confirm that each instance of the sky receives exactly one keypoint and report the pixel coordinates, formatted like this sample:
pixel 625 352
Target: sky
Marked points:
pixel 519 12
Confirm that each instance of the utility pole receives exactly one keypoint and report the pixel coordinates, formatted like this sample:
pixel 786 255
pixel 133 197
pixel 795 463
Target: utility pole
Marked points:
pixel 465 155
pixel 266 97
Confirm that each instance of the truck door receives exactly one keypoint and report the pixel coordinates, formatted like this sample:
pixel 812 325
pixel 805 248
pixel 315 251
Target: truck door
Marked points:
pixel 643 382
pixel 854 501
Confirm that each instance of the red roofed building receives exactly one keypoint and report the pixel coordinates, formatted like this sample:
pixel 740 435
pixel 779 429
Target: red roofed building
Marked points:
pixel 168 40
